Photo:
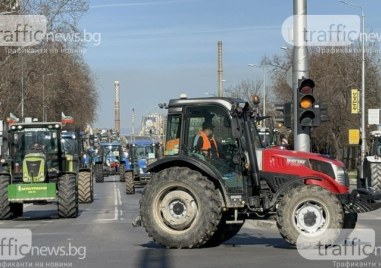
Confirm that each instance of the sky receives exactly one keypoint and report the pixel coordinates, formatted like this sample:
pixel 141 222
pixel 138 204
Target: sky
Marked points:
pixel 159 49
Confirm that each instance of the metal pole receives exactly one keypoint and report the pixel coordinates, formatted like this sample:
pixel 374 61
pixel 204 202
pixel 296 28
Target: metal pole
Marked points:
pixel 300 69
pixel 264 91
pixel 363 129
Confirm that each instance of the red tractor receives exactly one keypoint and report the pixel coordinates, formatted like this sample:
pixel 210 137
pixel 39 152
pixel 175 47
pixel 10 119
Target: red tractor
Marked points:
pixel 196 198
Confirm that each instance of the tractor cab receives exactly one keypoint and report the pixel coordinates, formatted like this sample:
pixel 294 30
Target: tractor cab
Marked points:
pixel 35 151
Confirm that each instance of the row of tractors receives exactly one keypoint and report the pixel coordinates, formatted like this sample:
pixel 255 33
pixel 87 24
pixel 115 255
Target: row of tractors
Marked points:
pixel 52 162
pixel 129 161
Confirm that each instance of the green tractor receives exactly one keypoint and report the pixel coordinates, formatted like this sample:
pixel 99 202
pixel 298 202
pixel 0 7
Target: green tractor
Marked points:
pixel 36 170
pixel 73 144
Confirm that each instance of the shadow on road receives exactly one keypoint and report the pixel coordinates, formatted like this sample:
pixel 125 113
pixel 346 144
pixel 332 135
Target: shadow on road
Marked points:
pixel 154 257
pixel 243 239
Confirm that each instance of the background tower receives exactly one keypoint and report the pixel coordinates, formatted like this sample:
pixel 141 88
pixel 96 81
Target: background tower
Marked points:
pixel 116 107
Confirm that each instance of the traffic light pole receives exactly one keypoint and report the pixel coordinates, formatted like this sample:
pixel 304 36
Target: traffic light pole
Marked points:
pixel 300 70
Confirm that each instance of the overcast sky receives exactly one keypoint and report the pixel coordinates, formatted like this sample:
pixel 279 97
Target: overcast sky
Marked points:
pixel 159 49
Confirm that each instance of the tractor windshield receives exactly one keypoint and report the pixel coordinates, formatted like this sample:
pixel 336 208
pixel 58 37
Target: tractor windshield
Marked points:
pixel 70 145
pixel 144 151
pixel 111 153
pixel 34 139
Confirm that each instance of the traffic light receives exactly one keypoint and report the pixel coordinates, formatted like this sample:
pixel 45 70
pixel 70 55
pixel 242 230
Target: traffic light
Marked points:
pixel 308 112
pixel 286 116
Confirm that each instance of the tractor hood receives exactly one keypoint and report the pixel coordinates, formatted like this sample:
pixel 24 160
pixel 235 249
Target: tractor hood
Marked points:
pixel 305 165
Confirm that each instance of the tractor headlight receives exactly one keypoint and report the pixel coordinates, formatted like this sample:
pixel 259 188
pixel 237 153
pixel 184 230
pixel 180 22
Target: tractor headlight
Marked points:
pixel 341 175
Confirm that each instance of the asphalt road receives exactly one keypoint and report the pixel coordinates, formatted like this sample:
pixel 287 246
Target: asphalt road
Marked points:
pixel 103 236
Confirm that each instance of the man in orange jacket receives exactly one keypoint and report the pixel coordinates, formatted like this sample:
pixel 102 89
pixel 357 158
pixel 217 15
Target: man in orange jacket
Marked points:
pixel 205 143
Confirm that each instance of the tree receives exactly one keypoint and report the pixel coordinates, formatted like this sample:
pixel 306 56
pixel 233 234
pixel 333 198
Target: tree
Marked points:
pixel 70 87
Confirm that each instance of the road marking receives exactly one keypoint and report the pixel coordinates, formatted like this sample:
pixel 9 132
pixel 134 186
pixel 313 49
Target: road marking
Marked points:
pixel 117 202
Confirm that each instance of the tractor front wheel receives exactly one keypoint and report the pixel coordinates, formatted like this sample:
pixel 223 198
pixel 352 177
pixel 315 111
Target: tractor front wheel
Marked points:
pixel 180 208
pixel 309 215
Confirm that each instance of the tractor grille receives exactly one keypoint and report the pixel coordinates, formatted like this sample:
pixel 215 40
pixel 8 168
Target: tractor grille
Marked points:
pixel 33 167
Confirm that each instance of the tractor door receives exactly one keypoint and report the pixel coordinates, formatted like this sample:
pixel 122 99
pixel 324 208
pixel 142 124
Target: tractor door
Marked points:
pixel 225 159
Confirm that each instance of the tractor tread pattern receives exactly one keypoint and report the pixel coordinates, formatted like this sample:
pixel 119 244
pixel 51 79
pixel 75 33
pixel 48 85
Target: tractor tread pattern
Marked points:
pixel 85 188
pixel 67 196
pixel 375 179
pixel 130 182
pixel 5 206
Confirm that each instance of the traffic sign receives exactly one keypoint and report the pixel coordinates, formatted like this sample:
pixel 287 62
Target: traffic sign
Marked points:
pixel 354 136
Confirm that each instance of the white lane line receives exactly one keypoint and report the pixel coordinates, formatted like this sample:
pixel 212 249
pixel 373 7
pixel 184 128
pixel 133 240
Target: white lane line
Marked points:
pixel 116 211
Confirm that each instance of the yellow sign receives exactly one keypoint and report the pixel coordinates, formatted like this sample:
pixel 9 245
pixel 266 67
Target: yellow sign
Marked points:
pixel 354 136
pixel 355 101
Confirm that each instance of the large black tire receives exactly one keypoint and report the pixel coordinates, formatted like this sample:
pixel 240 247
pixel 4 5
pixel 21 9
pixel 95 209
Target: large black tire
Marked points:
pixel 375 176
pixel 306 212
pixel 67 196
pixel 224 232
pixel 85 188
pixel 17 209
pixel 98 173
pixel 5 205
pixel 122 172
pixel 180 208
pixel 130 182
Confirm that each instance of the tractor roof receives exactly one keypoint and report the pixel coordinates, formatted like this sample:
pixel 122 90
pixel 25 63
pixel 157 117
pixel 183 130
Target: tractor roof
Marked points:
pixel 228 103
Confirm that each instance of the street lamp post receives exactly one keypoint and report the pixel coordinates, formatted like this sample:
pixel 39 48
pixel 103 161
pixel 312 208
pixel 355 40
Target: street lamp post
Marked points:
pixel 44 119
pixel 363 134
pixel 263 67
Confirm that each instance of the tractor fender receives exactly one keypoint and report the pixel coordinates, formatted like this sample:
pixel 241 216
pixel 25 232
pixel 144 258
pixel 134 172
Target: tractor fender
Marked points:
pixel 284 189
pixel 373 159
pixel 194 164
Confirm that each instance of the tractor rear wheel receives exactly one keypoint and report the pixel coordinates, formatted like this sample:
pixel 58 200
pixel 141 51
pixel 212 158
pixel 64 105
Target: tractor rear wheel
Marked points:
pixel 309 215
pixel 85 189
pixel 98 172
pixel 180 208
pixel 5 205
pixel 122 171
pixel 224 232
pixel 130 182
pixel 67 196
